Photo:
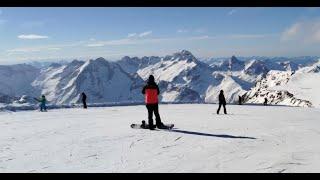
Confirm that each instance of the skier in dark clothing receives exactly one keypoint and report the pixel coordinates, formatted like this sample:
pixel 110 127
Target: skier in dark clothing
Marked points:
pixel 151 92
pixel 265 102
pixel 222 102
pixel 84 100
pixel 240 100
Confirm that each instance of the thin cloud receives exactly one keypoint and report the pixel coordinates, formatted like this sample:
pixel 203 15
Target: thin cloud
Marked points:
pixel 200 37
pixel 147 33
pixel 24 50
pixel 304 31
pixel 125 41
pixel 96 45
pixel 32 49
pixel 200 30
pixel 44 48
pixel 139 35
pixel 54 48
pixel 129 41
pixel 182 31
pixel 32 36
pixel 132 35
pixel 232 12
pixel 249 36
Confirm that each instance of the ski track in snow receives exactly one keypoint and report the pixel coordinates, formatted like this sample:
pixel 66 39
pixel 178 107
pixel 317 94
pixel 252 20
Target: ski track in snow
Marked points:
pixel 250 139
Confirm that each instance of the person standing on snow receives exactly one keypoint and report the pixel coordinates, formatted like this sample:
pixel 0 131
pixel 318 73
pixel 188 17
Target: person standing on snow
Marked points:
pixel 222 102
pixel 43 102
pixel 240 100
pixel 84 100
pixel 265 102
pixel 151 92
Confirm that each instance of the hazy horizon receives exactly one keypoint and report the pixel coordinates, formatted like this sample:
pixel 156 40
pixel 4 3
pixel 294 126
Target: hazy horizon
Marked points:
pixel 58 60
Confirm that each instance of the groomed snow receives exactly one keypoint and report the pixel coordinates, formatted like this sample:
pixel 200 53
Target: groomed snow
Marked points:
pixel 249 139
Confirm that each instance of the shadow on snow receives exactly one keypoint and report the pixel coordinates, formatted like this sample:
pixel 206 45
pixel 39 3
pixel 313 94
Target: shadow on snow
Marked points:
pixel 211 135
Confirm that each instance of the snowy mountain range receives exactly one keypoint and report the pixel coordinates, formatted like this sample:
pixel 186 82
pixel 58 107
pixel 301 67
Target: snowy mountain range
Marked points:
pixel 298 88
pixel 181 78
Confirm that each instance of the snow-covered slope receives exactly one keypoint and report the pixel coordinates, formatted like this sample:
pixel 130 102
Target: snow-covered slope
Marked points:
pixel 184 78
pixel 271 62
pixel 250 139
pixel 297 88
pixel 132 65
pixel 256 67
pixel 101 80
pixel 304 84
pixel 181 77
pixel 232 64
pixel 15 80
pixel 53 79
pixel 45 63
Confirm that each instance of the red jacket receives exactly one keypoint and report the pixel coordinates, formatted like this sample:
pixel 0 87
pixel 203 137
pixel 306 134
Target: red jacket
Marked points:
pixel 151 92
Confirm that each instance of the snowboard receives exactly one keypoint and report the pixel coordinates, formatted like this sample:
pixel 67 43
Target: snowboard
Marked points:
pixel 146 126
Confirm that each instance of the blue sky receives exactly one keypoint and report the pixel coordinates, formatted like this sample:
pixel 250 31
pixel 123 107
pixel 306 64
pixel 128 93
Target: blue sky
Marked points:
pixel 68 33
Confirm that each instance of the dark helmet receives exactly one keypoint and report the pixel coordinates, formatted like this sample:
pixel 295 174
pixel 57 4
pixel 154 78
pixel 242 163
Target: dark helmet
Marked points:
pixel 151 78
pixel 221 91
pixel 43 96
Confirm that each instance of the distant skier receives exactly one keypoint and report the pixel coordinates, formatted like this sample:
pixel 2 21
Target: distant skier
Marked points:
pixel 84 100
pixel 43 102
pixel 222 102
pixel 151 92
pixel 265 102
pixel 240 100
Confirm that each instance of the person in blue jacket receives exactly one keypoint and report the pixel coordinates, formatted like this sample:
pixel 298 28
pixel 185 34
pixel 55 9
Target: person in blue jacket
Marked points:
pixel 43 102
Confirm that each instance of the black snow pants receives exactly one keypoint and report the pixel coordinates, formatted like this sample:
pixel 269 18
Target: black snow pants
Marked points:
pixel 224 108
pixel 84 104
pixel 153 108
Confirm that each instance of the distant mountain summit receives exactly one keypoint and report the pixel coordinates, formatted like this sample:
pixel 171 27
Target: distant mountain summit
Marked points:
pixel 233 64
pixel 101 80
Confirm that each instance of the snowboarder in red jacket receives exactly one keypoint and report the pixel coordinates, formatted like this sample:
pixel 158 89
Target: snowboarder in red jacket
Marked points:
pixel 151 92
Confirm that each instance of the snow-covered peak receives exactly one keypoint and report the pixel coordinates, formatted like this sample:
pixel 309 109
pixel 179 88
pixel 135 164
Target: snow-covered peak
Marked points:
pixel 75 63
pixel 15 80
pixel 235 64
pixel 283 88
pixel 314 68
pixel 183 55
pixel 289 65
pixel 129 59
pixel 230 64
pixel 255 67
pixel 277 78
pixel 101 80
pixel 133 64
pixel 233 60
pixel 55 65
